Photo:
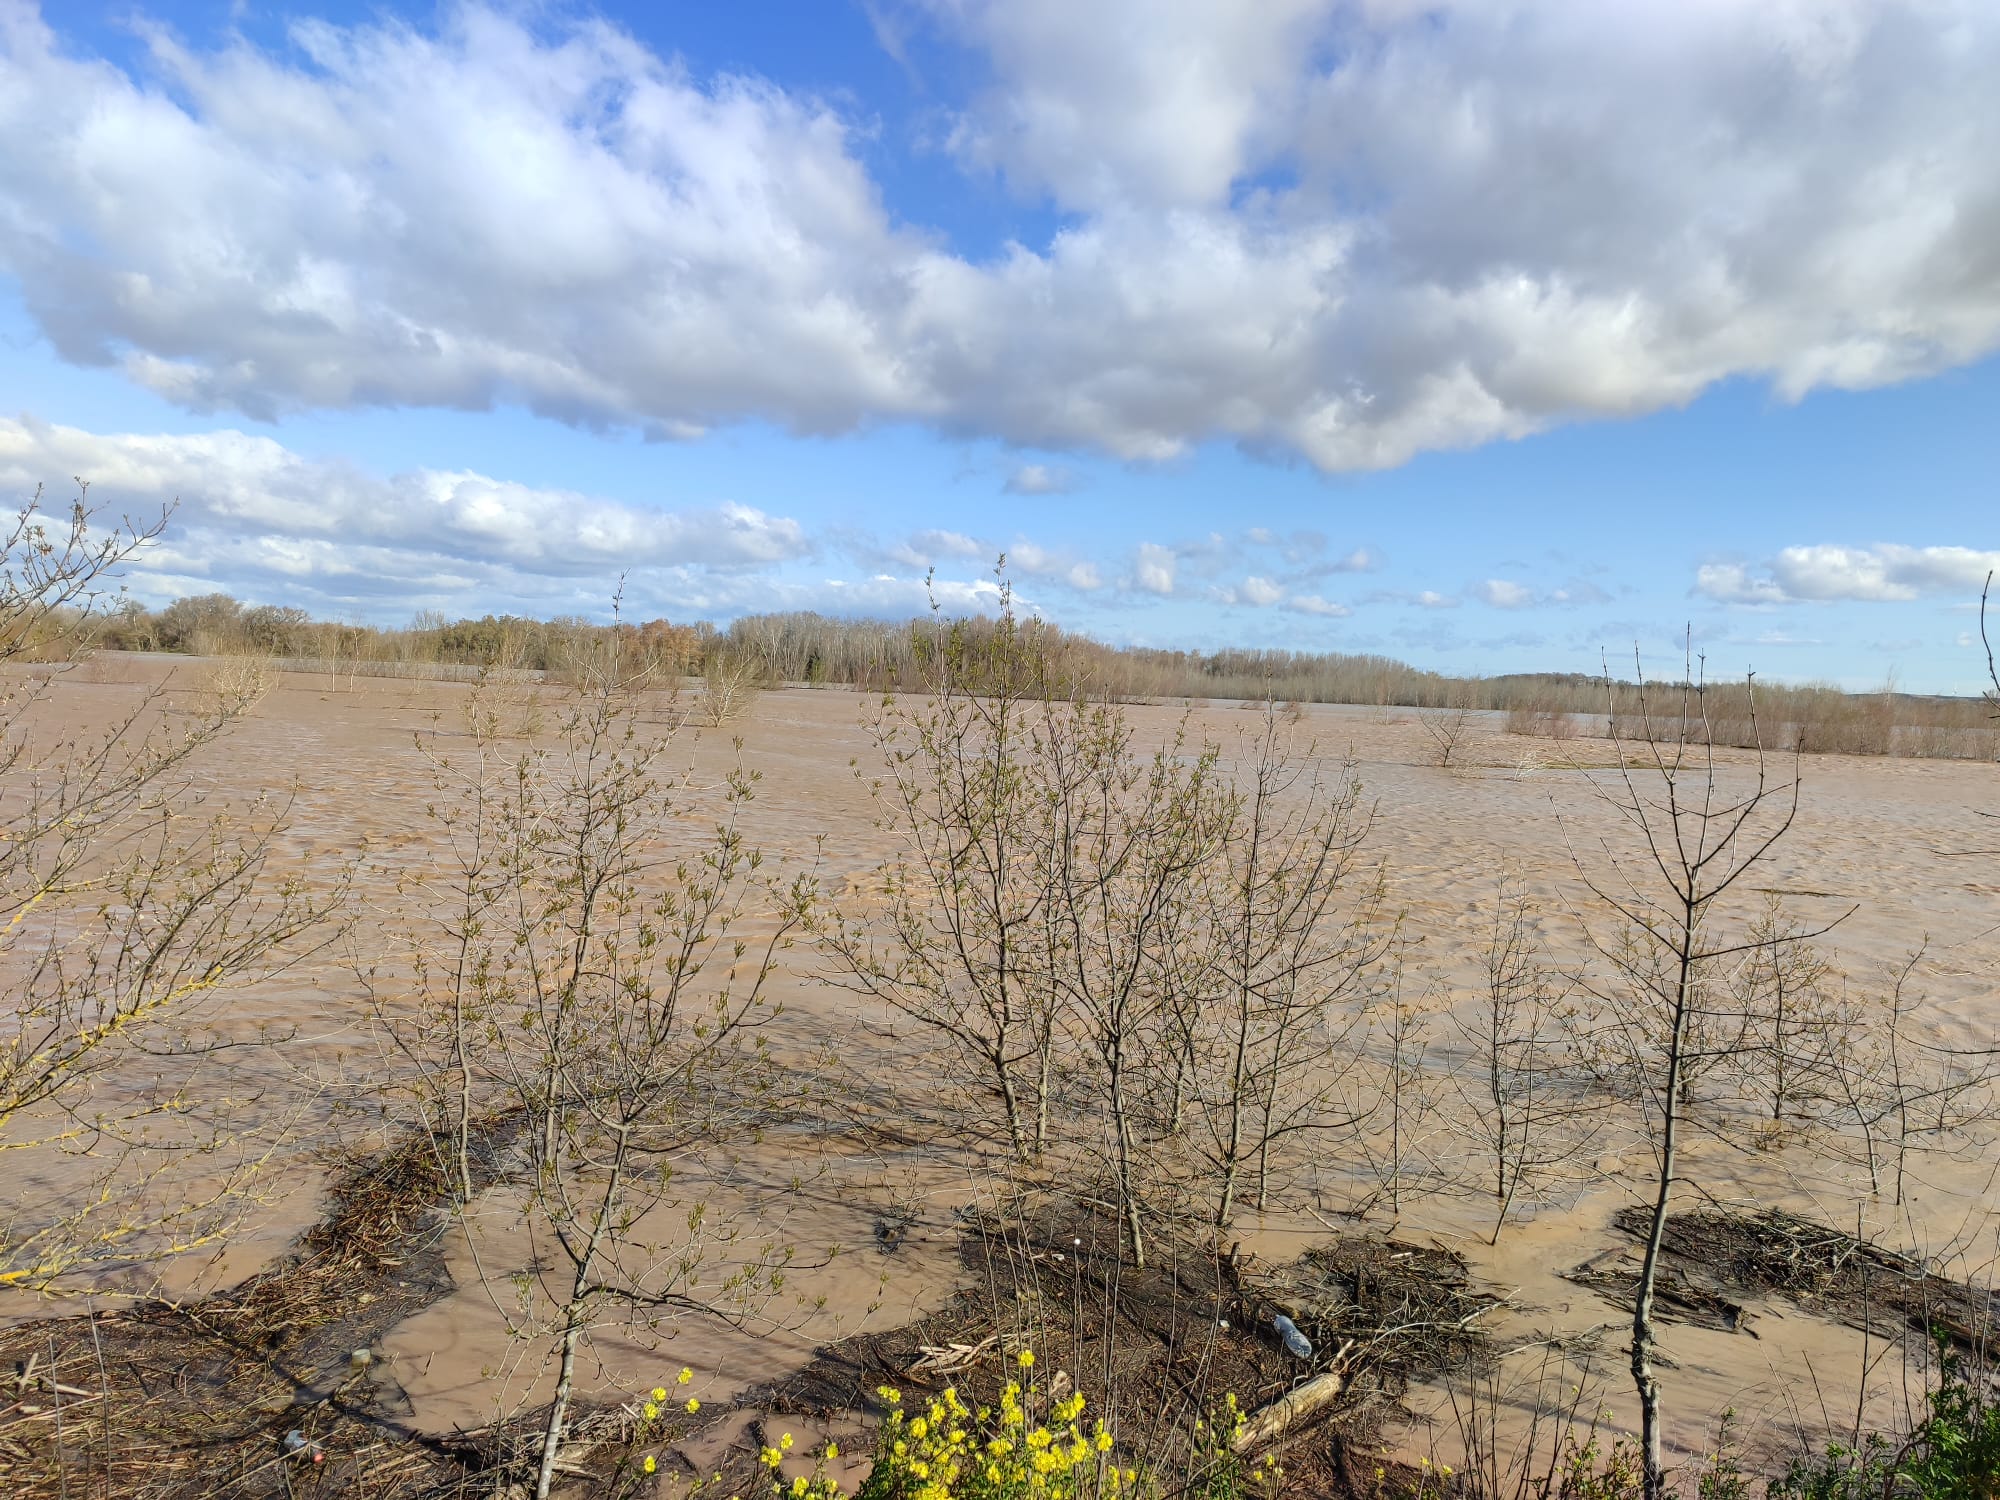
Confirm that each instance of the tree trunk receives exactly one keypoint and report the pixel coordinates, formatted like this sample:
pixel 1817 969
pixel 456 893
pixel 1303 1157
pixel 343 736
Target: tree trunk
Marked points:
pixel 1647 1383
pixel 565 1381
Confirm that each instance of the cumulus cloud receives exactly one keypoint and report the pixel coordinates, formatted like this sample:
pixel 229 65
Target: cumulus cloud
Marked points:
pixel 1312 604
pixel 1153 568
pixel 1580 591
pixel 256 515
pixel 1309 554
pixel 249 485
pixel 1733 583
pixel 1040 479
pixel 1504 593
pixel 1347 232
pixel 1036 561
pixel 1832 572
pixel 927 547
pixel 1259 591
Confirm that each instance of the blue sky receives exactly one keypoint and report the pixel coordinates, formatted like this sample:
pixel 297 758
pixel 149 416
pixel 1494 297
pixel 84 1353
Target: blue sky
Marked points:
pixel 1493 336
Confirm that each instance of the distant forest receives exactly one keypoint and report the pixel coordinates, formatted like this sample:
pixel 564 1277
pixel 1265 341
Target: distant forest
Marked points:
pixel 817 650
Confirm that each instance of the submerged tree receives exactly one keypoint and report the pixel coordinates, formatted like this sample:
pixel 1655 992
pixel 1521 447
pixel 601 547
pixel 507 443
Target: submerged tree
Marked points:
pixel 1280 964
pixel 957 947
pixel 1520 1083
pixel 124 908
pixel 1698 828
pixel 603 990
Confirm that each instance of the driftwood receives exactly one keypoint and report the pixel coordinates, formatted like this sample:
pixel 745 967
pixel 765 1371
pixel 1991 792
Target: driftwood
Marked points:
pixel 1273 1420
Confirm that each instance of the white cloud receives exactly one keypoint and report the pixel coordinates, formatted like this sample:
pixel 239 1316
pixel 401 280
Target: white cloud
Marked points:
pixel 1432 599
pixel 1259 591
pixel 1312 604
pixel 1732 583
pixel 1580 591
pixel 1831 572
pixel 1504 593
pixel 1154 567
pixel 252 487
pixel 1348 231
pixel 272 525
pixel 1036 561
pixel 931 545
pixel 1040 479
pixel 1167 104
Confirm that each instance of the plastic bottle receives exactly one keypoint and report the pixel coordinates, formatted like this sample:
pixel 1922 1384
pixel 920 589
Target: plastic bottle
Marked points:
pixel 298 1445
pixel 1296 1343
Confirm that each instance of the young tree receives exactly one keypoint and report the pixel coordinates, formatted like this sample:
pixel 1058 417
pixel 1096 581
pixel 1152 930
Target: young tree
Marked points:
pixel 1697 831
pixel 604 993
pixel 1405 1103
pixel 1448 725
pixel 439 1023
pixel 958 945
pixel 1286 945
pixel 122 910
pixel 1796 1024
pixel 1907 1093
pixel 1128 839
pixel 1519 1083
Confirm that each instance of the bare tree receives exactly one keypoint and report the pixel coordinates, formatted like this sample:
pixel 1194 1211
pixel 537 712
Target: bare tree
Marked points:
pixel 1697 831
pixel 1128 839
pixel 439 1021
pixel 1907 1093
pixel 1796 1023
pixel 602 991
pixel 963 787
pixel 1520 1083
pixel 1447 726
pixel 1289 942
pixel 1404 1111
pixel 729 683
pixel 122 911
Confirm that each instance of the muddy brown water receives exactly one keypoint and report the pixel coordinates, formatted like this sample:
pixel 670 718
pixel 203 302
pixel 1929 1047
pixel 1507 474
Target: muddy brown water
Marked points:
pixel 1899 841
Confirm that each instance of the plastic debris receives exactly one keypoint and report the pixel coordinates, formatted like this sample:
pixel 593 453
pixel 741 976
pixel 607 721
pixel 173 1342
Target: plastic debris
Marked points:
pixel 1296 1343
pixel 298 1445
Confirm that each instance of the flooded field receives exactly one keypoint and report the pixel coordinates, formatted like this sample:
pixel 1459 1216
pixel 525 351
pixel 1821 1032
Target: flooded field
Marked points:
pixel 866 1190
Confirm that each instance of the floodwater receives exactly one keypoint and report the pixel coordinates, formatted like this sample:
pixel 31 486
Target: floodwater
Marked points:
pixel 1897 849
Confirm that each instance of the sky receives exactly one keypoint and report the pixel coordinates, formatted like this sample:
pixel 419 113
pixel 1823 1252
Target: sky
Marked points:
pixel 1490 335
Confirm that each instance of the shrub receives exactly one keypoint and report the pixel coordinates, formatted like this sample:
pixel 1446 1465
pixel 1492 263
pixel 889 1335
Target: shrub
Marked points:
pixel 1953 1453
pixel 1033 1445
